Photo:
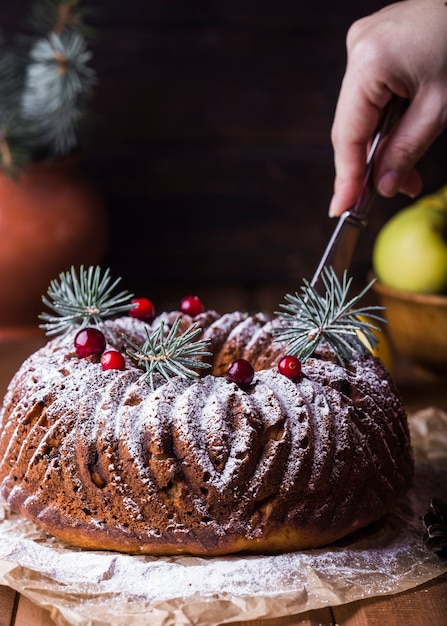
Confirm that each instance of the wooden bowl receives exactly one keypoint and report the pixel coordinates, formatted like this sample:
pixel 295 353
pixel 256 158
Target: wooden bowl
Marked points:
pixel 417 326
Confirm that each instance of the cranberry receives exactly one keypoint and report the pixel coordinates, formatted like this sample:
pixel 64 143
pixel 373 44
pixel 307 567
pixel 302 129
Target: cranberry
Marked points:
pixel 191 305
pixel 240 372
pixel 290 366
pixel 89 342
pixel 112 360
pixel 143 309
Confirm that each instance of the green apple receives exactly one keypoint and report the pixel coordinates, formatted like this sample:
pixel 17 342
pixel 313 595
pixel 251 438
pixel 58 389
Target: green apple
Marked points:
pixel 410 251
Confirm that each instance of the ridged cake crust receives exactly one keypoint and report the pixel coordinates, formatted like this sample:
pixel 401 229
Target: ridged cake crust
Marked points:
pixel 99 460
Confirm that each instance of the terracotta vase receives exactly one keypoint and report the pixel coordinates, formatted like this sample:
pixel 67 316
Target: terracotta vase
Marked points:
pixel 50 219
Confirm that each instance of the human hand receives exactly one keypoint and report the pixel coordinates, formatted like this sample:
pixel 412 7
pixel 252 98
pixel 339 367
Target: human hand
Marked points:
pixel 400 50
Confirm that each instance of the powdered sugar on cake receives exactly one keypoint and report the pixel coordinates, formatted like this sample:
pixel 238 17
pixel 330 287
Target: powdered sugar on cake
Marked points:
pixel 205 467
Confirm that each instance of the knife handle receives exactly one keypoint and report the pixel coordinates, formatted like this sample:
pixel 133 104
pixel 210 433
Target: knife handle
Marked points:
pixel 340 249
pixel 392 113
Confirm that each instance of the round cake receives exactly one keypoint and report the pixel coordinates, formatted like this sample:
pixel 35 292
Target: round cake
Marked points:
pixel 101 460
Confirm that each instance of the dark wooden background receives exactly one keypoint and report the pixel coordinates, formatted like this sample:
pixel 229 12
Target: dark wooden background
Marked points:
pixel 211 140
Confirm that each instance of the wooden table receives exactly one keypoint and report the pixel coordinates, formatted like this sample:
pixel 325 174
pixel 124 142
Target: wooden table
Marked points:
pixel 424 606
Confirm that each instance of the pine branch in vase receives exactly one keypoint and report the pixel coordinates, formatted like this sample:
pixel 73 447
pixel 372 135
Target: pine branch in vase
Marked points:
pixel 46 90
pixel 56 16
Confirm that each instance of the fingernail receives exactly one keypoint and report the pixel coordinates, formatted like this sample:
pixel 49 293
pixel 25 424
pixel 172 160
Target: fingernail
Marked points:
pixel 410 194
pixel 389 184
pixel 333 207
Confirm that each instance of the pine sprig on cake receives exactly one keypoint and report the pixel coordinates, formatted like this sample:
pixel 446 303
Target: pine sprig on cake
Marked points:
pixel 84 299
pixel 310 318
pixel 170 354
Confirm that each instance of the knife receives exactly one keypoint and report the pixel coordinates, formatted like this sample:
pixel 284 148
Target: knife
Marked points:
pixel 342 244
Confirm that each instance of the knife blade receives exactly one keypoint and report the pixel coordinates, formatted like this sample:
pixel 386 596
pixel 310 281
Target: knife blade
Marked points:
pixel 340 250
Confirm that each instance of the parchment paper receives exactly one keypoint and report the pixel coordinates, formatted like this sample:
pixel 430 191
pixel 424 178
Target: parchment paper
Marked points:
pixel 100 588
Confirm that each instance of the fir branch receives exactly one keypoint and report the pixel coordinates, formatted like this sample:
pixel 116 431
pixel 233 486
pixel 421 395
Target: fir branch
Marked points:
pixel 11 81
pixel 57 86
pixel 60 15
pixel 170 354
pixel 84 300
pixel 311 318
pixel 45 87
pixel 15 151
pixel 14 148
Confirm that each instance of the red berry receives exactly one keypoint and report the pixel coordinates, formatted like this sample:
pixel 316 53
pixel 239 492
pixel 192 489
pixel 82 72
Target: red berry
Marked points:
pixel 290 366
pixel 143 309
pixel 240 372
pixel 89 342
pixel 191 305
pixel 112 360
